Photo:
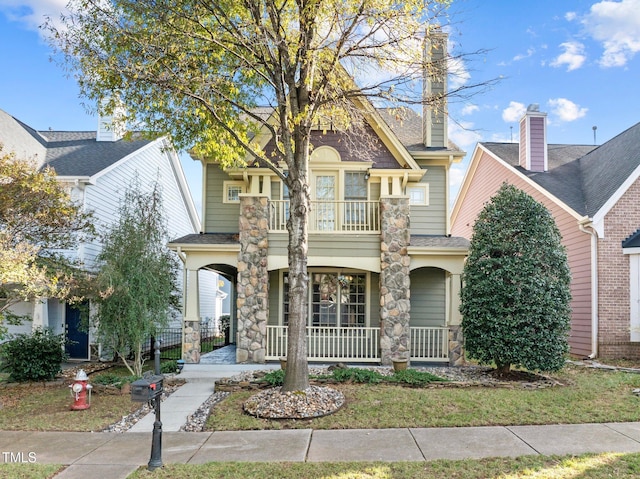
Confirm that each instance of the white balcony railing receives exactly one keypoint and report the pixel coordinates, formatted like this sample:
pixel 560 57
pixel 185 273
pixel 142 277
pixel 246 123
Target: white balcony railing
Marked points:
pixel 330 216
pixel 358 344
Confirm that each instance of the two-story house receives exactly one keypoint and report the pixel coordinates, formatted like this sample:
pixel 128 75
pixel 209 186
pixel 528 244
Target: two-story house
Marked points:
pixel 97 167
pixel 594 196
pixel 384 271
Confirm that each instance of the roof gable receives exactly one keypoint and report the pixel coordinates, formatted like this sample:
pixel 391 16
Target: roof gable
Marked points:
pixel 563 179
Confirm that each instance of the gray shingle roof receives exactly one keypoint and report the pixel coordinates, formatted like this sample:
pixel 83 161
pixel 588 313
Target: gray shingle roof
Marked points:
pixel 632 241
pixel 563 179
pixel 406 124
pixel 208 238
pixel 430 241
pixel 584 177
pixel 70 153
pixel 77 153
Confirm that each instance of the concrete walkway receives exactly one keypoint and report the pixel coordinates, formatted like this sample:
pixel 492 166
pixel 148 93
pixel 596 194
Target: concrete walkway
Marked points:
pixel 115 456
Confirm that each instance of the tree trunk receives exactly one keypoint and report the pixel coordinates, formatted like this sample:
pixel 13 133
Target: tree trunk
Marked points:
pixel 503 369
pixel 297 372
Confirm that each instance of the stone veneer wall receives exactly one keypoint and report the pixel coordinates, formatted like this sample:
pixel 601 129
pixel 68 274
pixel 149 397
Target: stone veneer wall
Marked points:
pixel 456 346
pixel 191 344
pixel 395 285
pixel 253 280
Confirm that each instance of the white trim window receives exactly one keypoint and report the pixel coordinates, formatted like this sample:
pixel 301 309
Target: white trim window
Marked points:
pixel 337 299
pixel 232 191
pixel 418 194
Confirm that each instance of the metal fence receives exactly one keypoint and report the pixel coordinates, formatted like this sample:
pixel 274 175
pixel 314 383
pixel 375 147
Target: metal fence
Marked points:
pixel 171 342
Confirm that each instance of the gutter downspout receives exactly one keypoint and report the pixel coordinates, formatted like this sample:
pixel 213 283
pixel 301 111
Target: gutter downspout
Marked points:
pixel 583 224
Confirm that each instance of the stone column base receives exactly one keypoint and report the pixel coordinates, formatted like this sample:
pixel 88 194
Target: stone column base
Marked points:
pixel 191 342
pixel 456 346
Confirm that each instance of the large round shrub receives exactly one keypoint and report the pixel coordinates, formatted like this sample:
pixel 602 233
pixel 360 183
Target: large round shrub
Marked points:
pixel 515 295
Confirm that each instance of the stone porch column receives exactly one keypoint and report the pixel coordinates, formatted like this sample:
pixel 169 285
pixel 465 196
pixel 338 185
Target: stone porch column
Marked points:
pixel 253 279
pixel 395 285
pixel 456 340
pixel 191 321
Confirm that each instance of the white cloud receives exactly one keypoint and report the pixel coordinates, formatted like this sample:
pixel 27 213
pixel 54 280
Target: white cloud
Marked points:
pixel 513 112
pixel 456 176
pixel 458 73
pixel 463 134
pixel 570 16
pixel 566 110
pixel 469 109
pixel 617 26
pixel 522 56
pixel 573 56
pixel 32 13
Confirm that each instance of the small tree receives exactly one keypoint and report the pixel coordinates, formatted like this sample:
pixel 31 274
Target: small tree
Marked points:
pixel 515 295
pixel 38 220
pixel 137 277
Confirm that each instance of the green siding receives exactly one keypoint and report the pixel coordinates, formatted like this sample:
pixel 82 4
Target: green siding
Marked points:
pixel 274 298
pixel 431 219
pixel 428 297
pixel 332 245
pixel 220 217
pixel 374 300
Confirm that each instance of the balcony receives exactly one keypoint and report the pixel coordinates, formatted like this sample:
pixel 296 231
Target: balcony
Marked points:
pixel 330 216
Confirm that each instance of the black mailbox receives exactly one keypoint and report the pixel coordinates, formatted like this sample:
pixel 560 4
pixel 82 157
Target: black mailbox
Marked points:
pixel 146 389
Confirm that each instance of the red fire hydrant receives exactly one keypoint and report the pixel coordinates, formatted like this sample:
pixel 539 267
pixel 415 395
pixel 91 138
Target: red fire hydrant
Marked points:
pixel 79 390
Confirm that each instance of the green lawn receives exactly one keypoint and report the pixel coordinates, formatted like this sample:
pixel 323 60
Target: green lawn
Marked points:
pixel 588 395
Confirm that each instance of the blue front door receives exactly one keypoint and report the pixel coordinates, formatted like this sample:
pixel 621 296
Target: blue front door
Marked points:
pixel 77 346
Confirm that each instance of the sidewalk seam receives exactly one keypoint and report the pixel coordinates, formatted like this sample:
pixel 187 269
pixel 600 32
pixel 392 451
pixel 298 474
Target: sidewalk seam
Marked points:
pixel 525 442
pixel 415 441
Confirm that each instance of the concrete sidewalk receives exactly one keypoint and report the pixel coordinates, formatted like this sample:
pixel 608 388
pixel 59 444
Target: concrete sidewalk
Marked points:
pixel 113 456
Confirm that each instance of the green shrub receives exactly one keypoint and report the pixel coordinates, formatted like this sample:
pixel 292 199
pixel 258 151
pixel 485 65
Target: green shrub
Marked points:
pixel 413 377
pixel 357 375
pixel 167 367
pixel 33 357
pixel 274 378
pixel 112 379
pixel 515 298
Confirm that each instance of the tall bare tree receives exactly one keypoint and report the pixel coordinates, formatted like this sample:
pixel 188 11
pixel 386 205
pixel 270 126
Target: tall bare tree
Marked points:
pixel 198 69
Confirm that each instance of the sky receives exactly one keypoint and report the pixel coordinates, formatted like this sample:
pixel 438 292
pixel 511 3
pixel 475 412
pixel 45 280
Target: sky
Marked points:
pixel 579 60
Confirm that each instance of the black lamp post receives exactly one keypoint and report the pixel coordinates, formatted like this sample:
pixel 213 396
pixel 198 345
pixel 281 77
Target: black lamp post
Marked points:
pixel 156 444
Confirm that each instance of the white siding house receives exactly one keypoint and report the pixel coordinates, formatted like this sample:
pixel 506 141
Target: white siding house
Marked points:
pixel 99 169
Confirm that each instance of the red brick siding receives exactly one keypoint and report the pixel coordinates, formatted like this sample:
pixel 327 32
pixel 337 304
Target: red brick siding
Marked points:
pixel 613 277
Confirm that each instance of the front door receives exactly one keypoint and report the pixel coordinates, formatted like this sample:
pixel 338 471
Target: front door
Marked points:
pixel 77 346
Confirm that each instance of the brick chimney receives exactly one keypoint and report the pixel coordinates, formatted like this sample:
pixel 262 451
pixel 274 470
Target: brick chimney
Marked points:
pixel 434 91
pixel 533 140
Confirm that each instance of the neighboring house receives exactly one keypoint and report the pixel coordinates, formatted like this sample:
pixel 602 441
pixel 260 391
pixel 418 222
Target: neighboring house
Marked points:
pixel 594 196
pixel 384 271
pixel 98 167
